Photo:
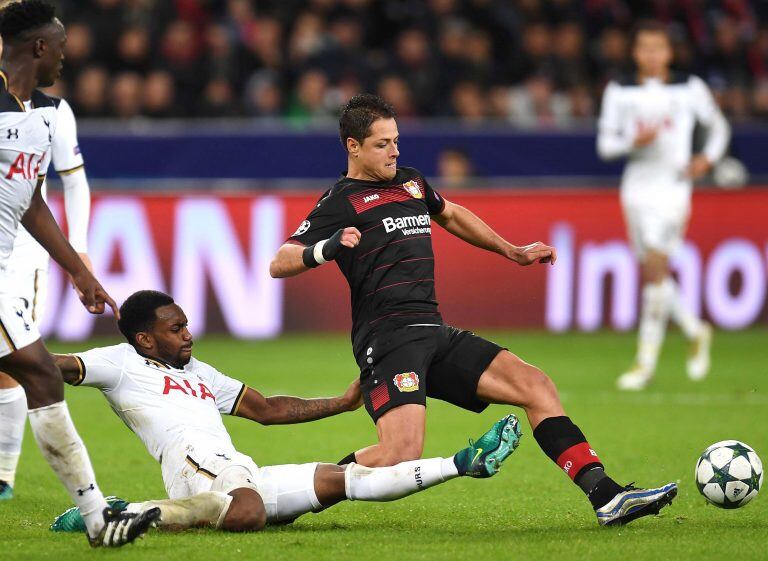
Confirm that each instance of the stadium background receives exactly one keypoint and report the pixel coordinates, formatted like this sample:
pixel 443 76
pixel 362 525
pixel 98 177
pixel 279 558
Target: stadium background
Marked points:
pixel 223 113
pixel 208 130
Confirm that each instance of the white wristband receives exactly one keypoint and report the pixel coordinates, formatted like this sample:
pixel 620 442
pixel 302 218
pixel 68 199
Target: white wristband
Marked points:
pixel 317 253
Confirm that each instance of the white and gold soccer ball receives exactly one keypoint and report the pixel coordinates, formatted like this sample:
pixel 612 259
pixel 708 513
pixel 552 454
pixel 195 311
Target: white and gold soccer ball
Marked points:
pixel 729 474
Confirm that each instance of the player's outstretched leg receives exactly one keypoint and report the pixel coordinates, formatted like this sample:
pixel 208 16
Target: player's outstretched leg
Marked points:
pixel 33 367
pixel 510 380
pixel 13 417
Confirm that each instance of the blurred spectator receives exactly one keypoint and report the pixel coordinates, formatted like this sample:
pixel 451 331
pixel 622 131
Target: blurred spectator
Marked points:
pixel 454 169
pixel 159 96
pixel 125 95
pixel 90 95
pixel 475 59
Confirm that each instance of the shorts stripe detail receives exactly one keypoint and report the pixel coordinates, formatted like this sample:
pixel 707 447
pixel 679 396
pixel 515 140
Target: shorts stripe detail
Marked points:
pixel 201 470
pixel 81 375
pixel 70 170
pixel 34 298
pixel 379 396
pixel 7 337
pixel 238 400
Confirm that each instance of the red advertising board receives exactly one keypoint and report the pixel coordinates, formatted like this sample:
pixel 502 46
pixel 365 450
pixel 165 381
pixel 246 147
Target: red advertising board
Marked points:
pixel 212 253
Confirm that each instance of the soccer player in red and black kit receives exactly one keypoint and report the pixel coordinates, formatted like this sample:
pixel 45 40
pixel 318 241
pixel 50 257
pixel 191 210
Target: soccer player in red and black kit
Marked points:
pixel 375 222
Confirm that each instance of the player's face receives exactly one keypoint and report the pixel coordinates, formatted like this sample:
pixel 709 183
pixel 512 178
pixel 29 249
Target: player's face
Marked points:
pixel 51 55
pixel 172 340
pixel 652 53
pixel 377 155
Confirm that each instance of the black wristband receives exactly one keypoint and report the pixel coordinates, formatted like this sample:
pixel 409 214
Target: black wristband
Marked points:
pixel 327 251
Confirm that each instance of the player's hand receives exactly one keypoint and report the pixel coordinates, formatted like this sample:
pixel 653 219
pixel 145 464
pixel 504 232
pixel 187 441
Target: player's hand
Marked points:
pixel 88 265
pixel 350 237
pixel 698 167
pixel 645 134
pixel 535 252
pixel 92 294
pixel 353 397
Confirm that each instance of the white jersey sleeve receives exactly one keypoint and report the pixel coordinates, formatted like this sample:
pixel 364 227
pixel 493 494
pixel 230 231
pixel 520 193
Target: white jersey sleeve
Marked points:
pixel 227 391
pixel 65 148
pixel 68 163
pixel 614 135
pixel 709 115
pixel 101 367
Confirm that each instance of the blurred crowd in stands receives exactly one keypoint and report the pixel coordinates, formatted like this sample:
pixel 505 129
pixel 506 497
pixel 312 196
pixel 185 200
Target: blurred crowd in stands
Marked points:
pixel 535 63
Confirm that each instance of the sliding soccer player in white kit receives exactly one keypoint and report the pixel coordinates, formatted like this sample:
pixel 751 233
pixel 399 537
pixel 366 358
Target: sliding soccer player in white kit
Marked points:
pixel 174 403
pixel 27 276
pixel 650 120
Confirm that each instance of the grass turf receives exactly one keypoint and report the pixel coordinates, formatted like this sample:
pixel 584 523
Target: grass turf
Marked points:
pixel 529 511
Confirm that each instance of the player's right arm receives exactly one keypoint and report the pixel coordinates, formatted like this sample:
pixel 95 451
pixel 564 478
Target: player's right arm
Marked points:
pixel 40 223
pixel 319 239
pixel 71 368
pixel 614 139
pixel 100 367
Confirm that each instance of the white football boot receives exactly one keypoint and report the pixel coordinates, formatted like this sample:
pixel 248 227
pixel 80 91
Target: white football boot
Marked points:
pixel 698 361
pixel 635 379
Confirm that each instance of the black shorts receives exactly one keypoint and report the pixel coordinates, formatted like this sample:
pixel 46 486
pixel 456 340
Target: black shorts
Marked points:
pixel 407 364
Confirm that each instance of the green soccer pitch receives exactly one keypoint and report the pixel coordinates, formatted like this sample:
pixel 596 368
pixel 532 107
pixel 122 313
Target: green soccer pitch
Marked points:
pixel 528 511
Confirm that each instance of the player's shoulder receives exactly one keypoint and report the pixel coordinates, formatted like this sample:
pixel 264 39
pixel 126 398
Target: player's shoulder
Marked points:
pixel 113 353
pixel 9 103
pixel 407 173
pixel 40 99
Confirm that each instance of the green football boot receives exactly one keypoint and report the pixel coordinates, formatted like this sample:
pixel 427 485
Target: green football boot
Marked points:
pixel 71 521
pixel 484 457
pixel 6 491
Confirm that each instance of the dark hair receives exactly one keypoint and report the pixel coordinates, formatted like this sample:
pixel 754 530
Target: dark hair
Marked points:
pixel 138 312
pixel 18 18
pixel 359 114
pixel 649 26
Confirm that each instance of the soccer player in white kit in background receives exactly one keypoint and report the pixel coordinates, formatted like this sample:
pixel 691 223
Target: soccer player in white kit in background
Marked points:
pixel 27 275
pixel 650 120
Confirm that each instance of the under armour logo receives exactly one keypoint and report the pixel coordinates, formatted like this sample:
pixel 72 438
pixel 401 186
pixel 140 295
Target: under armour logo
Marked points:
pixel 48 124
pixel 13 134
pixel 81 492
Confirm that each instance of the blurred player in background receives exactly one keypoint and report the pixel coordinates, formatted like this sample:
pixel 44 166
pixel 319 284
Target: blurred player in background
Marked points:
pixel 27 277
pixel 650 119
pixel 375 222
pixel 33 41
pixel 174 404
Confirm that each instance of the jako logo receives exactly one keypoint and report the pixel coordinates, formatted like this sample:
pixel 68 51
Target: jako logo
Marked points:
pixel 369 198
pixel 568 465
pixel 392 224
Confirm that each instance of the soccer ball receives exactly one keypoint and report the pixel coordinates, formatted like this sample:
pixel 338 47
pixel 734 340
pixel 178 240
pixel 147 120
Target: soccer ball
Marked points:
pixel 729 474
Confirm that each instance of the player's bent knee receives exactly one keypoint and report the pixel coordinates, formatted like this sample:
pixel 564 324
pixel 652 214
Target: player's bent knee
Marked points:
pixel 403 453
pixel 246 512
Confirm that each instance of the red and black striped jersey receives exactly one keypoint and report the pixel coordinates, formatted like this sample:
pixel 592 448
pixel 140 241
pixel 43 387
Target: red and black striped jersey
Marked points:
pixel 391 273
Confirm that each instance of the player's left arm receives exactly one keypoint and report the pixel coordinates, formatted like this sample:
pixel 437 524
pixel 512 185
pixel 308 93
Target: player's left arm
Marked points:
pixel 711 118
pixel 285 409
pixel 464 224
pixel 39 222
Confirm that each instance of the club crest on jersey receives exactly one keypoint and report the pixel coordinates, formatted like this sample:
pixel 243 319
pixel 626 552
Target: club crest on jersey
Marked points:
pixel 413 189
pixel 407 381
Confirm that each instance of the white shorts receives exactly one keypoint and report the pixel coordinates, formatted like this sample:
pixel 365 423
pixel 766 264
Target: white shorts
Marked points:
pixel 287 490
pixel 655 228
pixel 17 330
pixel 28 280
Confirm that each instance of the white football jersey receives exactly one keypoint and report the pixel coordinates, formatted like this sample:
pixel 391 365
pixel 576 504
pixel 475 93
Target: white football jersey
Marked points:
pixel 168 408
pixel 656 173
pixel 66 159
pixel 25 142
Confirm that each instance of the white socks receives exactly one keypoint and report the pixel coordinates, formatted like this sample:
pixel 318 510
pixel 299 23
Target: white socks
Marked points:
pixel 65 452
pixel 398 481
pixel 653 323
pixel 204 509
pixel 689 324
pixel 13 416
